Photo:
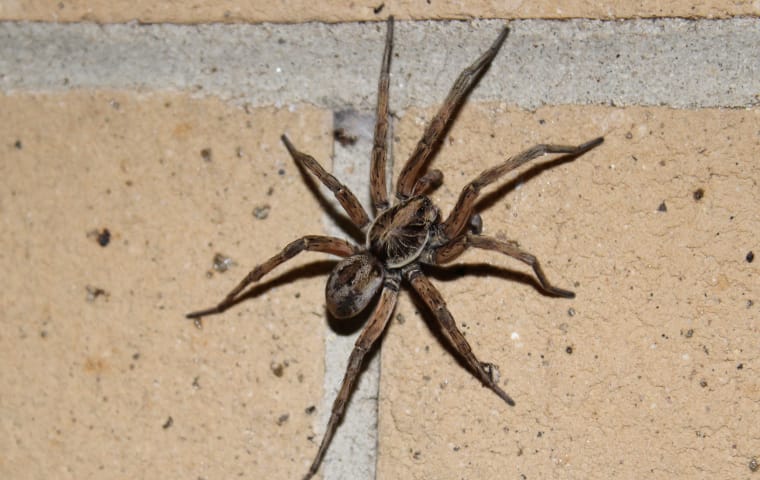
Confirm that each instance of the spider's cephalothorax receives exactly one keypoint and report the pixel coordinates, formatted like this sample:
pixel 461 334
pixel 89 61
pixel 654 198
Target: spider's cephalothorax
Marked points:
pixel 398 235
pixel 404 236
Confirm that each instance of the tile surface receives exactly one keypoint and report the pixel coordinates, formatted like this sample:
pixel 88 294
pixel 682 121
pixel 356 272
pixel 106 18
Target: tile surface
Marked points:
pixel 648 371
pixel 119 383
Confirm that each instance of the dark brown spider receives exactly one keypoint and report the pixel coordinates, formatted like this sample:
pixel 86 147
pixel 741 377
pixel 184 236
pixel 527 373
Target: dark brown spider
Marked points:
pixel 404 236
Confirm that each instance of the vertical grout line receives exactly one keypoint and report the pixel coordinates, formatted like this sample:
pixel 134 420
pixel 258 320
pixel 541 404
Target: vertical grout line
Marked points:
pixel 353 452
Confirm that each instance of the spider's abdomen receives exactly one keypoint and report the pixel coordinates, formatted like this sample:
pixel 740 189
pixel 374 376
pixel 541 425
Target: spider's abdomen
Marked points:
pixel 352 284
pixel 399 234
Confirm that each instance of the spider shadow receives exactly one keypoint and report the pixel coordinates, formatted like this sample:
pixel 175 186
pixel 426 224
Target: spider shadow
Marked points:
pixel 347 326
pixel 318 268
pixel 490 199
pixel 455 271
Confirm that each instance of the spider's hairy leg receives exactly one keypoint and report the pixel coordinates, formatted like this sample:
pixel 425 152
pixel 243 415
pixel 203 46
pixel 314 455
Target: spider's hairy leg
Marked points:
pixel 454 248
pixel 463 210
pixel 437 126
pixel 434 301
pixel 346 197
pixel 367 338
pixel 312 243
pixel 378 183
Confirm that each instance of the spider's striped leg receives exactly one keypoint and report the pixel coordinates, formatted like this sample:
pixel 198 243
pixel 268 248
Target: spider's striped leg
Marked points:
pixel 367 338
pixel 378 183
pixel 312 243
pixel 462 86
pixel 346 197
pixel 434 301
pixel 463 210
pixel 453 249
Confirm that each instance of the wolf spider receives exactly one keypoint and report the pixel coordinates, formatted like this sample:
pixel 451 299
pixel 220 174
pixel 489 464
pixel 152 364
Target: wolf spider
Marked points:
pixel 403 236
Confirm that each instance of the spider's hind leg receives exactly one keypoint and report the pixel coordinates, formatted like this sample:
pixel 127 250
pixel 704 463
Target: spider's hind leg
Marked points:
pixel 313 243
pixel 434 301
pixel 367 338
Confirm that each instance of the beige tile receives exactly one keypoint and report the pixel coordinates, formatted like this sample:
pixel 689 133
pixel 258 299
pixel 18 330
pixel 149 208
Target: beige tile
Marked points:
pixel 344 11
pixel 660 380
pixel 90 384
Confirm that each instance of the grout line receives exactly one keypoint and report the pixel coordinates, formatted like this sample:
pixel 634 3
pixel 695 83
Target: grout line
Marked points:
pixel 674 62
pixel 353 451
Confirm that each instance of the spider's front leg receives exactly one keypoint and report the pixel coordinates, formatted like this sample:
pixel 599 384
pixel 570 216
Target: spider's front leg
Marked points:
pixel 463 210
pixel 462 86
pixel 452 240
pixel 378 184
pixel 313 243
pixel 367 338
pixel 434 301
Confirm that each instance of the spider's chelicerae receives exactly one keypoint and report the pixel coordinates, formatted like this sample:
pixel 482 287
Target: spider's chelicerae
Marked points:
pixel 404 236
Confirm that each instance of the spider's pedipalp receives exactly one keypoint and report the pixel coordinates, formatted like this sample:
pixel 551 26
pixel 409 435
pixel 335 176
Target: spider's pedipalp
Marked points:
pixel 428 182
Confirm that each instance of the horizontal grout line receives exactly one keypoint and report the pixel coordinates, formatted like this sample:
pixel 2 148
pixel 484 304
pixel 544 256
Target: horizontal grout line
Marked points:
pixel 673 62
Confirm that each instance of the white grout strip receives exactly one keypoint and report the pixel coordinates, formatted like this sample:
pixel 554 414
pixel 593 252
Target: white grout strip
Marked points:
pixel 353 452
